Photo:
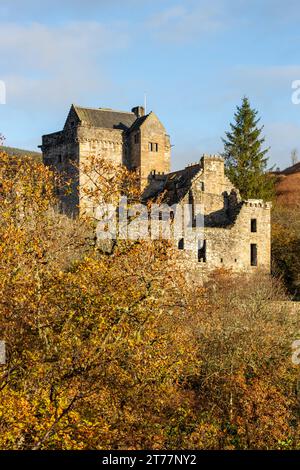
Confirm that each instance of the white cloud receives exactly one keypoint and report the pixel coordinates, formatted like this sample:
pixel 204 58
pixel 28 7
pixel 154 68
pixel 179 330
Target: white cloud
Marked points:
pixel 43 47
pixel 51 65
pixel 273 74
pixel 183 23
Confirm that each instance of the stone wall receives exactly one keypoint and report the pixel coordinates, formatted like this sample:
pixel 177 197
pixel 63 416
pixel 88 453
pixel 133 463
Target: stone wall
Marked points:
pixel 79 141
pixel 61 152
pixel 230 247
pixel 103 143
pixel 228 232
pixel 152 131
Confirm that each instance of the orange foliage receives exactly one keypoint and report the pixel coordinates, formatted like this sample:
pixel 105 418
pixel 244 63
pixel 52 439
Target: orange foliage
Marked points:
pixel 118 352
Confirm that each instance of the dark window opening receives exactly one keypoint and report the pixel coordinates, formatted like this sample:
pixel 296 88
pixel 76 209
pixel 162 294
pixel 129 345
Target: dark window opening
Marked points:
pixel 181 244
pixel 153 147
pixel 136 138
pixel 59 158
pixel 192 209
pixel 202 251
pixel 253 225
pixel 253 254
pixel 221 260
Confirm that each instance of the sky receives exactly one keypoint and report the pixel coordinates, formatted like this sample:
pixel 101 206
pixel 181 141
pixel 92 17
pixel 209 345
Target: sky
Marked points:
pixel 194 60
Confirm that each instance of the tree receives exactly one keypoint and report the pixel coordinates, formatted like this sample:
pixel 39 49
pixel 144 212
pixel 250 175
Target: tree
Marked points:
pixel 119 351
pixel 245 159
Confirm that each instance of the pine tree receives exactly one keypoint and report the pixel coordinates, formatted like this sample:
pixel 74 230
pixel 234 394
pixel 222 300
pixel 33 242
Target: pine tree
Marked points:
pixel 245 159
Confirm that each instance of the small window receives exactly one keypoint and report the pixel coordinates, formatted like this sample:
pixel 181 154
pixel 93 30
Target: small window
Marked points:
pixel 221 260
pixel 253 254
pixel 153 147
pixel 202 251
pixel 59 159
pixel 181 244
pixel 253 225
pixel 136 138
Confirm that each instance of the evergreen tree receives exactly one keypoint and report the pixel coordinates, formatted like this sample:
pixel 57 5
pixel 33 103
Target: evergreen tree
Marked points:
pixel 245 159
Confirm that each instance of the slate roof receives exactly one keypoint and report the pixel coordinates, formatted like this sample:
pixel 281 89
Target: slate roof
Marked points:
pixel 178 183
pixel 105 118
pixel 138 122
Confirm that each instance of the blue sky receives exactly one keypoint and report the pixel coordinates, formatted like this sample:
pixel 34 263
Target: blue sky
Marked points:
pixel 194 59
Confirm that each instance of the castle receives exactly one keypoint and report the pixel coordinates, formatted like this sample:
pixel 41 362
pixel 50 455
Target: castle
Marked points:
pixel 237 233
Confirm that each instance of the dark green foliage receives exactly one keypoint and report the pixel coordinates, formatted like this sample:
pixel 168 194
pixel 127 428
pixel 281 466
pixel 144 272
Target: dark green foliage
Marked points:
pixel 245 159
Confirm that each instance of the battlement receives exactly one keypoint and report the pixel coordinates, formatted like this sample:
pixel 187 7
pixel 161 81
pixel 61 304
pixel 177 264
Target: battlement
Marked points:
pixel 257 203
pixel 192 164
pixel 157 175
pixel 213 164
pixel 212 157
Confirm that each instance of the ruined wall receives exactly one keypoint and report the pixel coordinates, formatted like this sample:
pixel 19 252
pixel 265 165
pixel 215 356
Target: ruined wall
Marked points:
pixel 216 186
pixel 228 230
pixel 230 247
pixel 254 209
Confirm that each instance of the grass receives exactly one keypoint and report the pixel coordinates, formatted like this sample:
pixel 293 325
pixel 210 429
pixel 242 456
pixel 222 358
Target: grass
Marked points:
pixel 21 153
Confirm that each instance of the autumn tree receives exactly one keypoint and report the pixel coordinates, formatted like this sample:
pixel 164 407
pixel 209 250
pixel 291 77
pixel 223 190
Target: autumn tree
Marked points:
pixel 120 350
pixel 95 343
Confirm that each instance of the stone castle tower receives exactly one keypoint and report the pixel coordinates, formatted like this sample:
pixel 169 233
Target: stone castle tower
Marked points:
pixel 134 139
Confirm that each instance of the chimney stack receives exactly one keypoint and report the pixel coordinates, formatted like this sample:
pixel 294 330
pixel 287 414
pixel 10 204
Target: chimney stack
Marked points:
pixel 138 111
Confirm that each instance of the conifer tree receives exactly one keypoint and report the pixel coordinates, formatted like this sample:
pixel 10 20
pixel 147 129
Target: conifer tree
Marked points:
pixel 245 159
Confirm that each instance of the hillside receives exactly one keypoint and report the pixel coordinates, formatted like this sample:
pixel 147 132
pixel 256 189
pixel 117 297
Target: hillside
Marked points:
pixel 21 152
pixel 288 186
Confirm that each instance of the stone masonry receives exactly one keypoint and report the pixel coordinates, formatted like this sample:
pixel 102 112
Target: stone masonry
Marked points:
pixel 133 139
pixel 236 233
